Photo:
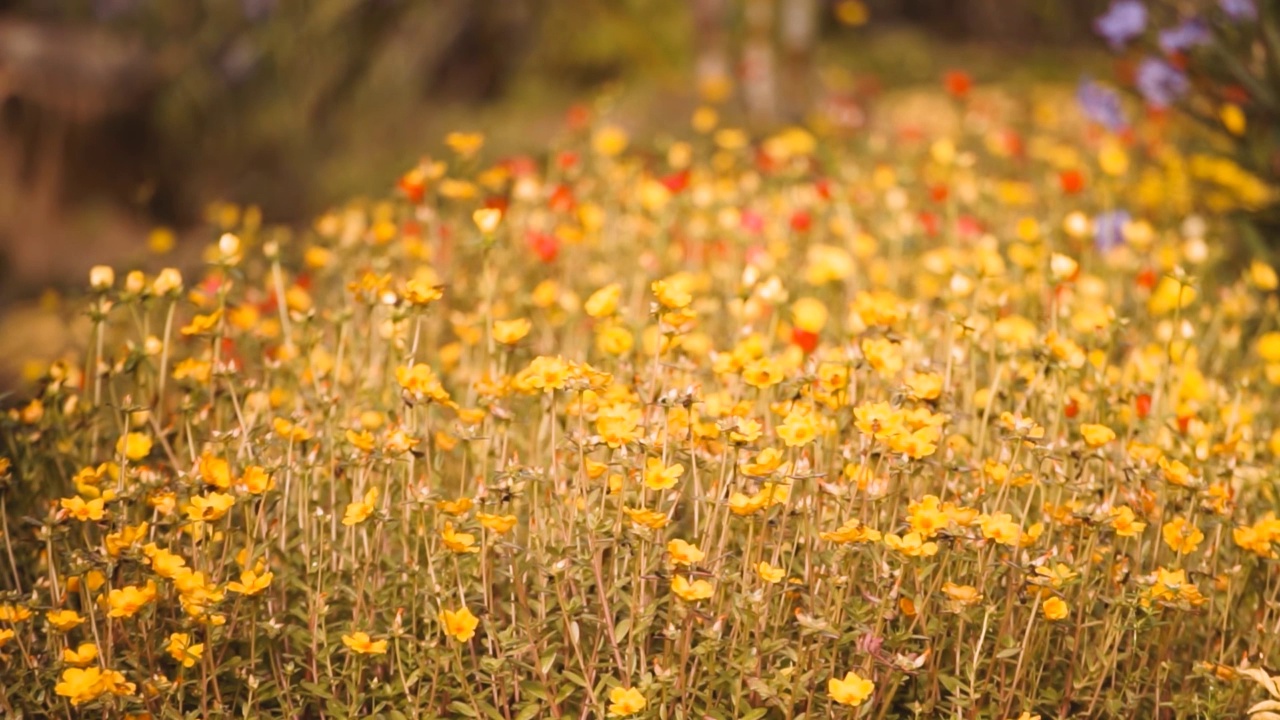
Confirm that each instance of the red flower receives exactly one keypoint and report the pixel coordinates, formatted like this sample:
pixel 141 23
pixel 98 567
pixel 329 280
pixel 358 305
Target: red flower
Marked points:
pixel 1072 181
pixel 958 83
pixel 578 117
pixel 1142 404
pixel 675 182
pixel 544 245
pixel 1147 278
pixel 931 223
pixel 562 199
pixel 567 160
pixel 413 185
pixel 801 221
pixel 804 339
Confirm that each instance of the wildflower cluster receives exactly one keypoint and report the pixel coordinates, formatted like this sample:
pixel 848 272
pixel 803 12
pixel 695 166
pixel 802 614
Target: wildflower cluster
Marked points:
pixel 723 427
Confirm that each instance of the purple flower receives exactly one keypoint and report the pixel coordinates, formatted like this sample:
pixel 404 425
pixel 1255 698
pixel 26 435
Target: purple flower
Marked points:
pixel 1122 22
pixel 1100 104
pixel 1160 83
pixel 1239 9
pixel 1184 36
pixel 1108 229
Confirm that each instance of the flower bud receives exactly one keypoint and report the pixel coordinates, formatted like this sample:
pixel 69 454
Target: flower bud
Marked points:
pixel 102 277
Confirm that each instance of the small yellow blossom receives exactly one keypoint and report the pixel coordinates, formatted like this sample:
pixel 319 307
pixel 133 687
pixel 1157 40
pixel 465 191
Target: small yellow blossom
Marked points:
pixel 360 643
pixel 459 624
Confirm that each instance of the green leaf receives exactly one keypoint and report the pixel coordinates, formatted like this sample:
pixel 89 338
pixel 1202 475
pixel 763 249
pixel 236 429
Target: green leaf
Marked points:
pixel 462 708
pixel 529 712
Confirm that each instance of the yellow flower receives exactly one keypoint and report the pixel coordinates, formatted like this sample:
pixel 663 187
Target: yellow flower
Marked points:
pixel 465 144
pixel 763 373
pixel 135 445
pixel 1000 528
pixel 658 476
pixel 1177 473
pixel 83 511
pixel 1054 608
pixel 672 293
pixel 363 440
pixel 625 701
pixel 1170 294
pixel 852 690
pixel 164 563
pixel 460 625
pixel 799 428
pixel 251 582
pixel 961 596
pixel 647 518
pixel 255 481
pixel 609 141
pixel 1021 426
pixel 419 291
pixel 912 545
pixel 927 516
pixel 360 643
pixel 181 648
pixel 215 472
pixel 209 507
pixel 14 613
pixel 878 420
pixel 809 314
pixel 128 600
pixel 682 553
pixel 455 507
pixel 459 542
pixel 80 685
pixel 63 620
pixel 84 653
pixel 1057 576
pixel 745 430
pixel 359 511
pixel 1125 523
pixel 501 524
pixel 852 531
pixel 1181 536
pixel 769 573
pixel 691 591
pixel 1233 118
pixel 202 324
pixel 603 302
pixel 1097 435
pixel 510 332
pixel 924 386
pixel 290 431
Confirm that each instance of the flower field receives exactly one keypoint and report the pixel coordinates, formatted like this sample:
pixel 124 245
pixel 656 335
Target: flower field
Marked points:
pixel 972 424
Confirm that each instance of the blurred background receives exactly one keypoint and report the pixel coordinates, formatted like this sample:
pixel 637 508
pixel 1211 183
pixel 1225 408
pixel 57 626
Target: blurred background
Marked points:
pixel 123 116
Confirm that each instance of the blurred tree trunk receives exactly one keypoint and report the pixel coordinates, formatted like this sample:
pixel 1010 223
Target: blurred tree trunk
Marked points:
pixel 710 40
pixel 798 35
pixel 759 70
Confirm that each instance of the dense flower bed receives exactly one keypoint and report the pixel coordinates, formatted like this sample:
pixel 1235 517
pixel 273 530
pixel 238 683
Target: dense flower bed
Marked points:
pixel 962 426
